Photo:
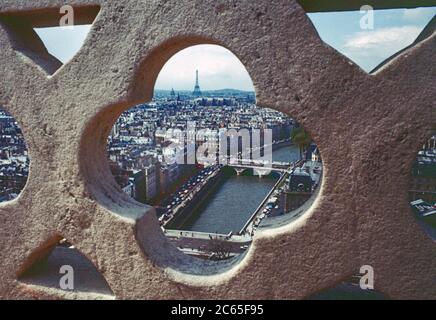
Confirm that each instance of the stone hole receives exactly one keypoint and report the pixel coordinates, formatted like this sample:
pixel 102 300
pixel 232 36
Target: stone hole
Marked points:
pixel 62 267
pixel 216 166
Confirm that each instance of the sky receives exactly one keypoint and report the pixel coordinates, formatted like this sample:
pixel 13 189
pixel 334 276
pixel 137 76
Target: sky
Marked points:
pixel 219 68
pixel 393 30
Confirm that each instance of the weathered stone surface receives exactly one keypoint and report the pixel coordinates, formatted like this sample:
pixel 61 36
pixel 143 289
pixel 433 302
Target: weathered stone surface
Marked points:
pixel 368 129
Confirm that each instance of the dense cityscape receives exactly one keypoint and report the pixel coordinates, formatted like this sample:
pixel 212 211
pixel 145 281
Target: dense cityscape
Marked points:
pixel 148 140
pixel 141 147
pixel 14 163
pixel 140 140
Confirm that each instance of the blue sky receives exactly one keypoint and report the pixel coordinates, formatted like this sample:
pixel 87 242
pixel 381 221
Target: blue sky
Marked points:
pixel 393 30
pixel 219 68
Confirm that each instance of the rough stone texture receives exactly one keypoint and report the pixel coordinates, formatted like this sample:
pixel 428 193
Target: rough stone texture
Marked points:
pixel 368 129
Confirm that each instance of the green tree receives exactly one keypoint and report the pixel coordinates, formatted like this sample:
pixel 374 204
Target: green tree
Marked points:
pixel 302 139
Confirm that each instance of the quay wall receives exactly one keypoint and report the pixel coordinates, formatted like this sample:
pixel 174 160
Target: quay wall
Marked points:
pixel 190 212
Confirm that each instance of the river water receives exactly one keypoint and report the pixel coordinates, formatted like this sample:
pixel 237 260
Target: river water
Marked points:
pixel 236 200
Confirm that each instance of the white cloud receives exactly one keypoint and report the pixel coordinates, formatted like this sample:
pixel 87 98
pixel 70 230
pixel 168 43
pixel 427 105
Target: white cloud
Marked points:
pixel 369 48
pixel 385 39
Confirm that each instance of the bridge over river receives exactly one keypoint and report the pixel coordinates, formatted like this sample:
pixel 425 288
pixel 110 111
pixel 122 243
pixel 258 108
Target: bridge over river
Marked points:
pixel 195 242
pixel 260 168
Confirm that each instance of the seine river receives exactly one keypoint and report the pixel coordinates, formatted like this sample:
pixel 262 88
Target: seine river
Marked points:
pixel 235 201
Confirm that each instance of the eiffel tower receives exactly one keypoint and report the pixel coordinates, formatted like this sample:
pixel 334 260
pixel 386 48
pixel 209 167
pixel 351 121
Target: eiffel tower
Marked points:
pixel 197 91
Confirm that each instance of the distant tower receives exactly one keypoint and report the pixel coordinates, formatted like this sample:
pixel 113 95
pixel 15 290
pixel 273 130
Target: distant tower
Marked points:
pixel 115 131
pixel 197 91
pixel 173 94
